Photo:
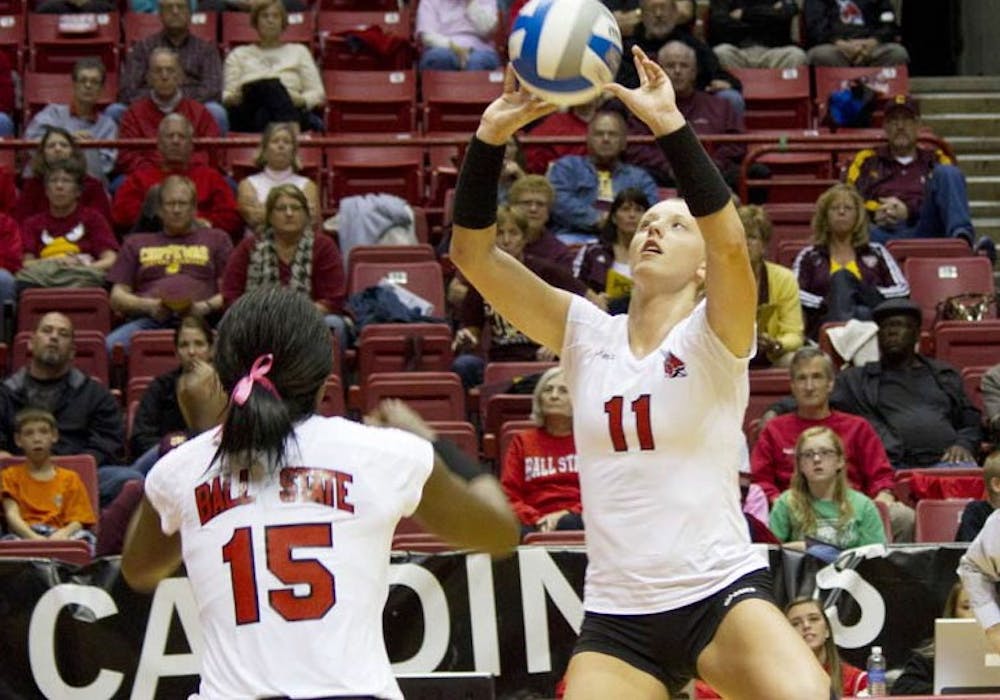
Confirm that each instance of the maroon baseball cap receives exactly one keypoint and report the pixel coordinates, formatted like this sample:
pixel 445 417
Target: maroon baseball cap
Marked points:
pixel 904 103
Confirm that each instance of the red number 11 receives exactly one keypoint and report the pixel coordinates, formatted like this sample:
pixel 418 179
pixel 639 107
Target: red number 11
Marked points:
pixel 640 407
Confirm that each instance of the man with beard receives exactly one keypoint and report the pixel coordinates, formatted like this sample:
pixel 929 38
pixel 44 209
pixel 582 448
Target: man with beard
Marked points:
pixel 86 413
pixel 918 406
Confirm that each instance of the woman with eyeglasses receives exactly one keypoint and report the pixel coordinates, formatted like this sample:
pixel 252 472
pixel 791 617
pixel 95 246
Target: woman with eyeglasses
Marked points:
pixel 843 274
pixel 819 504
pixel 290 254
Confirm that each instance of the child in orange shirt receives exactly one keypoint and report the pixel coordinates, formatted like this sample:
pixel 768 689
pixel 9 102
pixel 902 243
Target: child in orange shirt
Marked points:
pixel 40 500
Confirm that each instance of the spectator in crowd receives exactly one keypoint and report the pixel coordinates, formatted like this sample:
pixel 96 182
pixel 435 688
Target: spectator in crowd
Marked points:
pixel 810 620
pixel 853 33
pixel 819 504
pixel 707 114
pixel 539 472
pixel 81 117
pixel 917 405
pixel 87 415
pixel 603 266
pixel 627 12
pixel 513 168
pixel 533 197
pixel 661 24
pixel 843 274
pixel 41 500
pixel 8 96
pixel 69 245
pixel 11 257
pixel 917 677
pixel 159 277
pixel 505 342
pixel 585 186
pixel 989 385
pixel 143 117
pixel 912 192
pixel 976 512
pixel 570 122
pixel 755 33
pixel 279 162
pixel 779 314
pixel 868 470
pixel 457 34
pixel 201 68
pixel 272 80
pixel 288 253
pixel 163 419
pixel 56 145
pixel 216 203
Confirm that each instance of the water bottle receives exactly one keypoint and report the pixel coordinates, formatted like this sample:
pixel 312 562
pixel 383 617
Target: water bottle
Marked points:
pixel 876 674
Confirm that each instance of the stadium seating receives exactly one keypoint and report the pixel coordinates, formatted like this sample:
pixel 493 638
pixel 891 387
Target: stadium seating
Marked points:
pixel 507 432
pixel 13 38
pixel 91 355
pixel 237 30
pixel 972 378
pixel 462 433
pixel 53 51
pixel 152 353
pixel 967 343
pixel 938 519
pixel 766 387
pixel 369 39
pixel 86 307
pixel 387 253
pixel 138 25
pixel 932 280
pixel 43 89
pixel 370 101
pixel 886 81
pixel 436 396
pixel 776 98
pixel 242 160
pixel 70 551
pixel 903 248
pixel 453 101
pixel 423 278
pixel 354 170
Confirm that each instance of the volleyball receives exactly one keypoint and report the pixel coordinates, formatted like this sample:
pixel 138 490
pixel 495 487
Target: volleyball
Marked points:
pixel 565 50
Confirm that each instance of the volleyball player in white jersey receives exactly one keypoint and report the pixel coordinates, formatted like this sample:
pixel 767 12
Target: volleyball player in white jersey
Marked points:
pixel 672 587
pixel 285 518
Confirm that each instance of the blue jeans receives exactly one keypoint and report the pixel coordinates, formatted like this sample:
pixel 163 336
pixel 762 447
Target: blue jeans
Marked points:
pixel 146 460
pixel 470 369
pixel 735 98
pixel 944 212
pixel 339 326
pixel 122 335
pixel 111 479
pixel 442 58
pixel 6 125
pixel 8 287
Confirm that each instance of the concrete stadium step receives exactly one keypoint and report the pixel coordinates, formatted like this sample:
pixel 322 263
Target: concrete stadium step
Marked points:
pixel 983 187
pixel 955 83
pixel 985 208
pixel 974 144
pixel 973 164
pixel 959 102
pixel 950 124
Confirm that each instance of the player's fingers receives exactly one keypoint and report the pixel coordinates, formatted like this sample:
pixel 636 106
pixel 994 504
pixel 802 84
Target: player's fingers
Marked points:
pixel 509 80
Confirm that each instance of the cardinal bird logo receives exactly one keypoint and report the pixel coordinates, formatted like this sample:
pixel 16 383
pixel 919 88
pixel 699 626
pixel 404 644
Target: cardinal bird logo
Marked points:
pixel 674 366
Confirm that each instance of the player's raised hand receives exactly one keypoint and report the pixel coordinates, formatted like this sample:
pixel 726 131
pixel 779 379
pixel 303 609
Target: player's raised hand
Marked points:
pixel 513 110
pixel 653 101
pixel 393 413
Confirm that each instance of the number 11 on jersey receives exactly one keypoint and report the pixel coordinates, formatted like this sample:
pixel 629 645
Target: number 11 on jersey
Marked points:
pixel 643 426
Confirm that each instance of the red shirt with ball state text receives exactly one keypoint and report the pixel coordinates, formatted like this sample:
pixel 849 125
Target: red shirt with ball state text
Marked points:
pixel 539 475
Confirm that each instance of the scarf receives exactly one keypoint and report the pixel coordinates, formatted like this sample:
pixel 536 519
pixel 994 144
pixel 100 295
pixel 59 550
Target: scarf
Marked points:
pixel 263 267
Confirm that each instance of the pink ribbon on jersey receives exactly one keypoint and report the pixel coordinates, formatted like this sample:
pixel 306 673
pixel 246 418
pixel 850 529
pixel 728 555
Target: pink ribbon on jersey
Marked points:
pixel 257 375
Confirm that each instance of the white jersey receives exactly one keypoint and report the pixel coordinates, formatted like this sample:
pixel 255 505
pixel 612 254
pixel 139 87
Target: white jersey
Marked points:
pixel 658 442
pixel 290 569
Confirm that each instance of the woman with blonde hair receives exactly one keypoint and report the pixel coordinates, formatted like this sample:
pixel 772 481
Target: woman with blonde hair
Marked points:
pixel 843 274
pixel 819 504
pixel 278 159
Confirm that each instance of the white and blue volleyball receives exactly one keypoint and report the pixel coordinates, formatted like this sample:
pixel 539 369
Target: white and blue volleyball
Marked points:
pixel 565 50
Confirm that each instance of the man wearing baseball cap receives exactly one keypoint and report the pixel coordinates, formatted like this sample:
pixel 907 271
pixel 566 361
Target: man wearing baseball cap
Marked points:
pixel 912 192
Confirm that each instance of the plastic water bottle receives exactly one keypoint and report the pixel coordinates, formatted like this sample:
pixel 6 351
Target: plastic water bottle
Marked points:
pixel 876 674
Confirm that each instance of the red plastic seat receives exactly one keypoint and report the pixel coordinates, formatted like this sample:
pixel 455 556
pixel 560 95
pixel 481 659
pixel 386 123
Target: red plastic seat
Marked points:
pixel 938 519
pixel 422 278
pixel 436 396
pixel 43 89
pixel 387 253
pixel 332 401
pixel 972 378
pixel 138 25
pixel 886 81
pixel 776 98
pixel 575 538
pixel 932 280
pixel 397 170
pixel 12 37
pixel 135 388
pixel 453 101
pixel 766 387
pixel 152 353
pixel 903 248
pixel 359 5
pixel 370 101
pixel 70 551
pixel 400 347
pixel 507 431
pixel 462 433
pixel 394 27
pixel 91 356
pixel 916 484
pixel 237 30
pixel 53 52
pixel 967 343
pixel 86 307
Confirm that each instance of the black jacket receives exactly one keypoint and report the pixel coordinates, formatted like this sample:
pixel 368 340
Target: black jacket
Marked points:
pixel 824 26
pixel 158 413
pixel 856 391
pixel 760 25
pixel 86 413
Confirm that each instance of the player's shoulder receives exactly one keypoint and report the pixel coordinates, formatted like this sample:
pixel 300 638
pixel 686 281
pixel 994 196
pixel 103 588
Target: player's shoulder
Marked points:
pixel 321 430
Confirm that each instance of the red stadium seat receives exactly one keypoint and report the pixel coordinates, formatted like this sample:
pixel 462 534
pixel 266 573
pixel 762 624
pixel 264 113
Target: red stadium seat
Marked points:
pixel 776 98
pixel 436 396
pixel 766 387
pixel 237 30
pixel 12 38
pixel 387 253
pixel 886 81
pixel 51 51
pixel 138 25
pixel 938 519
pixel 401 347
pixel 370 101
pixel 967 343
pixel 342 39
pixel 453 101
pixel 462 433
pixel 359 5
pixel 354 170
pixel 507 431
pixel 136 387
pixel 332 401
pixel 903 248
pixel 43 89
pixel 972 378
pixel 70 551
pixel 86 307
pixel 916 484
pixel 932 280
pixel 91 355
pixel 152 353
pixel 422 278
pixel 573 538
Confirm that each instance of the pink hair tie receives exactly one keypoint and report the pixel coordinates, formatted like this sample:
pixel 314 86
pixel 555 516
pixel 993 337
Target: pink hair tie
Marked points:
pixel 256 375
